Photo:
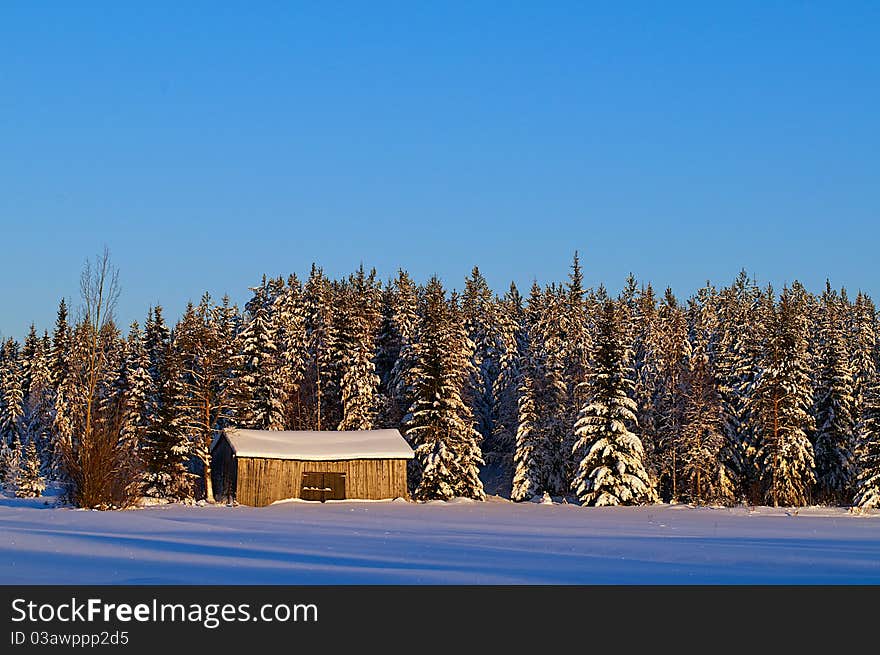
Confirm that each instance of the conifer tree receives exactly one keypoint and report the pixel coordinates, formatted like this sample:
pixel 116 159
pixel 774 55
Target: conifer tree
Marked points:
pixel 499 451
pixel 780 404
pixel 835 424
pixel 576 348
pixel 165 448
pixel 61 343
pixel 38 416
pixel 11 396
pixel 211 384
pixel 10 461
pixel 530 467
pixel 137 390
pixel 289 311
pixel 644 329
pixel 737 364
pixel 322 336
pixel 439 423
pixel 360 324
pixel 611 468
pixel 672 354
pixel 262 365
pixel 863 350
pixel 30 482
pixel 868 476
pixel 402 330
pixel 703 472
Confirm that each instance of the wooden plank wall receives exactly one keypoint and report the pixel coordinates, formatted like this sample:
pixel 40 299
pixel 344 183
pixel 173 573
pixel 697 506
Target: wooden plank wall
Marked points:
pixel 263 481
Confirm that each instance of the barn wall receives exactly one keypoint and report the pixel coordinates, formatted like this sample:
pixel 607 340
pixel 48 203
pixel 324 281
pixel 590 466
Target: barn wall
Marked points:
pixel 223 470
pixel 263 481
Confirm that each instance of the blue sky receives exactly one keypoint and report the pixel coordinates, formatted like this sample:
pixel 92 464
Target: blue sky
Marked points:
pixel 208 143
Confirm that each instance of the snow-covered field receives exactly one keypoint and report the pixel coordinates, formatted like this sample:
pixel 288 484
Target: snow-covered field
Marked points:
pixel 463 542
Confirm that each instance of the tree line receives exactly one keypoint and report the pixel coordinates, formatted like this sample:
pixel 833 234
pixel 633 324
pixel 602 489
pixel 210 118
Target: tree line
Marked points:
pixel 739 394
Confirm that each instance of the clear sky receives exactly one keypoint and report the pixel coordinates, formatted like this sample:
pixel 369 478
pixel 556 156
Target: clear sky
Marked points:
pixel 208 143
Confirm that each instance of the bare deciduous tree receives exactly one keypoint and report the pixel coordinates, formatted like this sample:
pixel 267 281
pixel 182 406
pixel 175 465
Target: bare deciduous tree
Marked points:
pixel 99 469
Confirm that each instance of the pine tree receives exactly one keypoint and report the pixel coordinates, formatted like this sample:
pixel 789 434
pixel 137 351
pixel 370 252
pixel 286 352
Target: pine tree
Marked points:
pixel 30 482
pixel 611 468
pixel 835 424
pixel 780 404
pixel 439 423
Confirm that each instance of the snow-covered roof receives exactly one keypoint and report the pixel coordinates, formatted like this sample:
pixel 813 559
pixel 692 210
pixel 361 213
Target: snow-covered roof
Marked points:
pixel 359 444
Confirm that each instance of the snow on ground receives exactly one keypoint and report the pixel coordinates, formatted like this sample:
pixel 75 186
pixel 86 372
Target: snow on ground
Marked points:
pixel 497 542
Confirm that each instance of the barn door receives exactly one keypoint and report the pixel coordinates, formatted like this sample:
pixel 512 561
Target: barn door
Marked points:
pixel 322 486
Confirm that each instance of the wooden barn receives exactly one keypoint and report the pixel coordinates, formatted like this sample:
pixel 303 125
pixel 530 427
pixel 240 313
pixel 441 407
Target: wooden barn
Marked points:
pixel 258 467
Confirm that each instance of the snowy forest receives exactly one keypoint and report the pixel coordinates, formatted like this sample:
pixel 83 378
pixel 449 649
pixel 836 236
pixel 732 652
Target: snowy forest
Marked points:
pixel 740 394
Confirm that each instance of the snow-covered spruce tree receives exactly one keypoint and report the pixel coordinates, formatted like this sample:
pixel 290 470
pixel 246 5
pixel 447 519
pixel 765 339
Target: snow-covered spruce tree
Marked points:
pixel 499 452
pixel 611 469
pixel 834 440
pixel 481 324
pixel 672 360
pixel 11 395
pixel 547 355
pixel 61 342
pixel 863 350
pixel 290 320
pixel 529 467
pixel 705 476
pixel 439 424
pixel 31 344
pixel 645 338
pixel 210 394
pixel 402 330
pixel 166 449
pixel 137 391
pixel 30 482
pixel 39 403
pixel 10 460
pixel 737 361
pixel 780 406
pixel 360 384
pixel 867 493
pixel 576 344
pixel 261 364
pixel 321 384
